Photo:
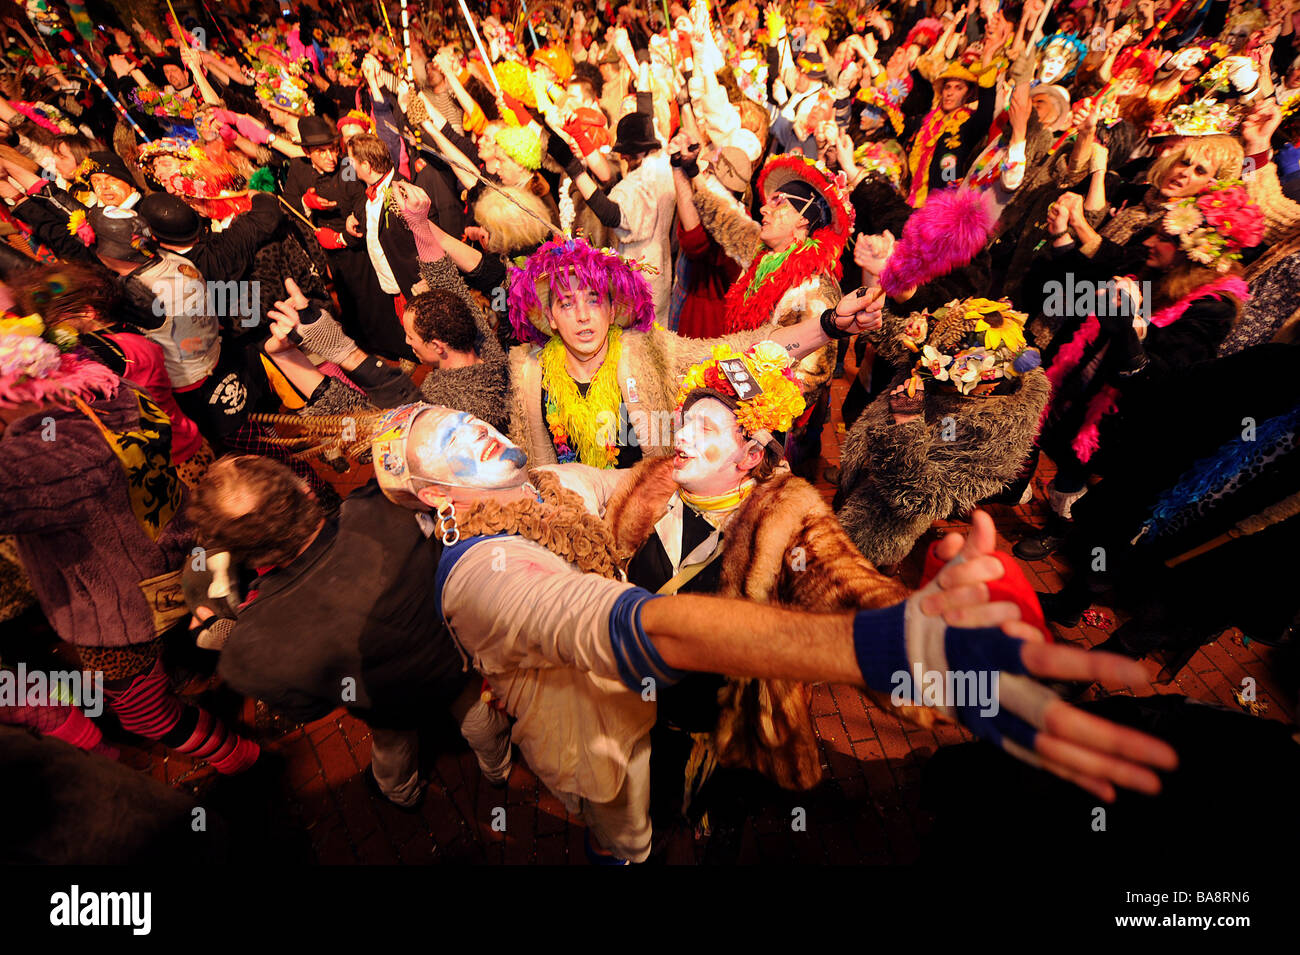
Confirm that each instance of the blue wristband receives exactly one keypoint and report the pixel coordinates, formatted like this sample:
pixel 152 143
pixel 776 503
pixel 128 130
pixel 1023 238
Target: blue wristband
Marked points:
pixel 637 658
pixel 880 645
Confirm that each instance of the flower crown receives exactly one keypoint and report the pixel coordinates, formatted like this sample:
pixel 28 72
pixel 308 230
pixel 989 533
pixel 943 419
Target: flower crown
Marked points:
pixel 164 105
pixel 878 99
pixel 283 90
pixel 1205 117
pixel 880 158
pixel 37 364
pixel 776 404
pixel 1214 227
pixel 975 346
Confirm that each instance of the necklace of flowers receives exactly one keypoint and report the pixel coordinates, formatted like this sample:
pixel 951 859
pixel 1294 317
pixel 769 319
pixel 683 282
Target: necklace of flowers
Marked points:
pixel 583 427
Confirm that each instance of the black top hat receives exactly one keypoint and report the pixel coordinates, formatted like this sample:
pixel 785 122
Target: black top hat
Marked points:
pixel 170 219
pixel 118 233
pixel 636 134
pixel 316 131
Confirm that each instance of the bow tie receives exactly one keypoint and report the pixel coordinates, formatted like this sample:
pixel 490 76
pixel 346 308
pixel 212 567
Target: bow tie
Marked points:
pixel 372 192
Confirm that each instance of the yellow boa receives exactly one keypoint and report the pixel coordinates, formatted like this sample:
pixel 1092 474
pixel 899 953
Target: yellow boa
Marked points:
pixel 586 426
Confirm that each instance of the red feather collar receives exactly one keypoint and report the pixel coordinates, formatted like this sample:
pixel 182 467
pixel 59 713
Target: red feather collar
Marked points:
pixel 746 312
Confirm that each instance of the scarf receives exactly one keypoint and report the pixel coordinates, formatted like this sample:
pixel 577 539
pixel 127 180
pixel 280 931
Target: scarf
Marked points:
pixel 752 299
pixel 583 427
pixel 936 124
pixel 1106 401
pixel 713 508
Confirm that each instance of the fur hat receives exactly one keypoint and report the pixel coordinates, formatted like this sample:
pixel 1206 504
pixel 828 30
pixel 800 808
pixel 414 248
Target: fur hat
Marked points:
pixel 564 264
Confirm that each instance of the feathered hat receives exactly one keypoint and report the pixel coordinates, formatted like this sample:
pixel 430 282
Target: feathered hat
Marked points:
pixel 1068 46
pixel 39 365
pixel 829 195
pixel 570 264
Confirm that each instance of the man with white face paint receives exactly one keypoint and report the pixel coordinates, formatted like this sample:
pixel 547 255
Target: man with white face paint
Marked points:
pixel 531 589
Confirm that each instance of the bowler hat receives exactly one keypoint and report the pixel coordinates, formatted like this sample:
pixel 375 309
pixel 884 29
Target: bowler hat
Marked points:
pixel 170 219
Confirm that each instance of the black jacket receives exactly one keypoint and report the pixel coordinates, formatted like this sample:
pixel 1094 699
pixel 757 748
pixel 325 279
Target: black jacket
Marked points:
pixel 353 622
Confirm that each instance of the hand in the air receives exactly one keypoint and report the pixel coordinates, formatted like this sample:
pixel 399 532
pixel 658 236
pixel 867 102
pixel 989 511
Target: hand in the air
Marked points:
pixel 871 252
pixel 285 318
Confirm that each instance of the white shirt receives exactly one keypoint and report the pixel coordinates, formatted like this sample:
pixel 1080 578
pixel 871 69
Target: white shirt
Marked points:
pixel 648 201
pixel 375 209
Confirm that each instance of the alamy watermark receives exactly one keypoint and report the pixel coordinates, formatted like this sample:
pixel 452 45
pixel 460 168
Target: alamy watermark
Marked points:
pixel 191 297
pixel 82 689
pixel 954 689
pixel 1084 297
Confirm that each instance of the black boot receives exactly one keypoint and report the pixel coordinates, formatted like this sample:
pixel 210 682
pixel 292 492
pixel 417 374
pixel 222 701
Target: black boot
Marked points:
pixel 1067 606
pixel 1045 542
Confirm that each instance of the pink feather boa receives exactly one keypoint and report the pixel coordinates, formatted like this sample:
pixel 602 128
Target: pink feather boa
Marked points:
pixel 74 378
pixel 943 235
pixel 1106 401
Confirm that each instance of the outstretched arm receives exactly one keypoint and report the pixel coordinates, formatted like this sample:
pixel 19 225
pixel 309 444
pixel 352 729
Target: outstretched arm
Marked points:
pixel 881 649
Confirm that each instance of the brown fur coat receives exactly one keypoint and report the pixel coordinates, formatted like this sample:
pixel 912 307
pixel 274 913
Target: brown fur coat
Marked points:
pixel 782 546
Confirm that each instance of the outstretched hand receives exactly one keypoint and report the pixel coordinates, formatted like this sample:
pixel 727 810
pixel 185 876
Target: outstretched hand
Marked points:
pixel 1027 719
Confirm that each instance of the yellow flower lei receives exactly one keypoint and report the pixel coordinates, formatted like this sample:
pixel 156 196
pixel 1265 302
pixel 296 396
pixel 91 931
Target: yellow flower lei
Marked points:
pixel 587 425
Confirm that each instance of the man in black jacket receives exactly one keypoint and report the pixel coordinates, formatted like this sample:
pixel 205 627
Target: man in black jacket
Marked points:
pixel 342 614
pixel 387 243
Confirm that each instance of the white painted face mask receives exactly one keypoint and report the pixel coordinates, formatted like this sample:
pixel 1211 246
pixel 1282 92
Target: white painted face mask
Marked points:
pixel 419 444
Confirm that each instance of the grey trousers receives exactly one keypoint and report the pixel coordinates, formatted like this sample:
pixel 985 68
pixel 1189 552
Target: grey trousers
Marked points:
pixel 395 754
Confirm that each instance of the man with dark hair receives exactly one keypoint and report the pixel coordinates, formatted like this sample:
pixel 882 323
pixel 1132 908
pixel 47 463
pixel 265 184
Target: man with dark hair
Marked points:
pixel 441 330
pixel 525 581
pixel 341 614
pixel 387 241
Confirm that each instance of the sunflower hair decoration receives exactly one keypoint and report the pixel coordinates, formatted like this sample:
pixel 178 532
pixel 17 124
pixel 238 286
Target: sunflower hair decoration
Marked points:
pixel 759 384
pixel 974 346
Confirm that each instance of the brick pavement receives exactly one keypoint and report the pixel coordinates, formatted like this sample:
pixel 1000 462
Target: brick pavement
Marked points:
pixel 865 812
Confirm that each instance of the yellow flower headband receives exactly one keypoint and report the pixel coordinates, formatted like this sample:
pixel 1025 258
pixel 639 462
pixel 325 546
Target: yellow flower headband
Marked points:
pixel 760 383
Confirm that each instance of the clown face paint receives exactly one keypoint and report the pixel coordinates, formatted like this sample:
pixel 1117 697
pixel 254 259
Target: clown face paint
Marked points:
pixel 709 450
pixel 1055 64
pixel 459 450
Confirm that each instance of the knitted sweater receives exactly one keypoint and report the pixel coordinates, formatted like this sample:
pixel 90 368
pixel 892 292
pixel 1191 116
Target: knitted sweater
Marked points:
pixel 67 503
pixel 482 389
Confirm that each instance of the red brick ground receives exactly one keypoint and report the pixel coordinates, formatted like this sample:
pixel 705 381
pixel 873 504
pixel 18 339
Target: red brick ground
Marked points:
pixel 865 812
